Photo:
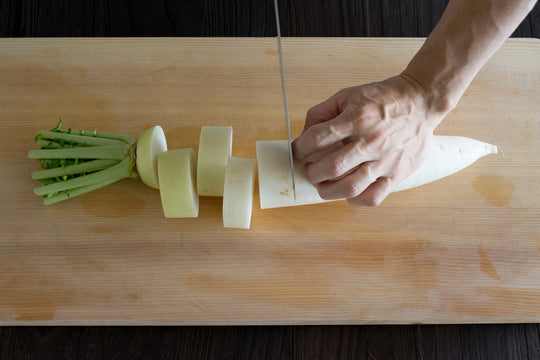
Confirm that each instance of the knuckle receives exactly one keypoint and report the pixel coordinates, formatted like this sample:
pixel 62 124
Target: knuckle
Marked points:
pixel 337 167
pixel 311 112
pixel 333 129
pixel 360 118
pixel 317 138
pixel 359 114
pixel 351 189
pixel 368 169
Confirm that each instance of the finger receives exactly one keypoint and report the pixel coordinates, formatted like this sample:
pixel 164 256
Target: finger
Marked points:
pixel 337 163
pixel 374 194
pixel 322 112
pixel 320 136
pixel 351 185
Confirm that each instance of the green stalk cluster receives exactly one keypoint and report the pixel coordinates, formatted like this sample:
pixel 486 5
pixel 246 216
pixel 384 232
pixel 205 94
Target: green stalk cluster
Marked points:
pixel 76 162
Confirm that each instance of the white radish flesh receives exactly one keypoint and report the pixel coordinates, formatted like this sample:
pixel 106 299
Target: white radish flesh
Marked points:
pixel 238 193
pixel 149 145
pixel 177 178
pixel 448 155
pixel 275 180
pixel 215 147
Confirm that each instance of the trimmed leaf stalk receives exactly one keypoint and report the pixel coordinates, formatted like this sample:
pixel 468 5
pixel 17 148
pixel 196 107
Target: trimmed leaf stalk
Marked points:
pixel 76 162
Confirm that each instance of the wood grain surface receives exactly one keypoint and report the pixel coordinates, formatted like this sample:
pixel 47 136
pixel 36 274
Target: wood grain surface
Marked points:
pixel 215 17
pixel 464 249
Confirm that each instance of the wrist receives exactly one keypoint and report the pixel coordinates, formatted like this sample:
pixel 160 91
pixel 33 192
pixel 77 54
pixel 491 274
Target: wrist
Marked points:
pixel 438 99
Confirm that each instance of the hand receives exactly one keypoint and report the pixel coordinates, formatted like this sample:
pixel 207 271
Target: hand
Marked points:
pixel 364 140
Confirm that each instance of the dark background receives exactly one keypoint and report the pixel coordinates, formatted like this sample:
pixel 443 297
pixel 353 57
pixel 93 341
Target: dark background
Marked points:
pixel 373 18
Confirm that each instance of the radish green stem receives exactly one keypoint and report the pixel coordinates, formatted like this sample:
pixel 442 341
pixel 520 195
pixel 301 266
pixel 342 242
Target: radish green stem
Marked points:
pixel 52 199
pixel 114 152
pixel 80 139
pixel 85 167
pixel 48 144
pixel 124 138
pixel 118 171
pixel 76 162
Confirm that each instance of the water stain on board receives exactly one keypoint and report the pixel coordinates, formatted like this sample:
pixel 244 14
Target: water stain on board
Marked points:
pixel 31 295
pixel 486 265
pixel 495 189
pixel 111 203
pixel 272 52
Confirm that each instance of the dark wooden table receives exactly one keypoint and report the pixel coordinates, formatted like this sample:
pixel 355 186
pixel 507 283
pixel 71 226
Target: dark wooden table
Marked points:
pixel 371 18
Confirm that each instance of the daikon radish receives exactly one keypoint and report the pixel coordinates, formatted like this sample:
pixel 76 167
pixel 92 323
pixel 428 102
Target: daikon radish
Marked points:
pixel 177 173
pixel 448 155
pixel 215 147
pixel 149 145
pixel 238 193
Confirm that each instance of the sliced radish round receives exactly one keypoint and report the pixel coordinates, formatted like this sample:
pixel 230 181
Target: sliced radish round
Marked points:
pixel 215 147
pixel 177 173
pixel 238 193
pixel 149 145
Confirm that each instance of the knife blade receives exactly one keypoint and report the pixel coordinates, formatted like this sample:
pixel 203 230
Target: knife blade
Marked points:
pixel 285 96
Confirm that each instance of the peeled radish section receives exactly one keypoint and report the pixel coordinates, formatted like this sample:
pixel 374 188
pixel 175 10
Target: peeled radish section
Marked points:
pixel 177 173
pixel 448 155
pixel 149 145
pixel 215 147
pixel 238 193
pixel 275 180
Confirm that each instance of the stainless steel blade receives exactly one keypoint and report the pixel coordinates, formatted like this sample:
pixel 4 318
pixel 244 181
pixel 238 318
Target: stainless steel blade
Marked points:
pixel 285 96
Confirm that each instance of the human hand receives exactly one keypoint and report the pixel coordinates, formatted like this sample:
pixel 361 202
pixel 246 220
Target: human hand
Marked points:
pixel 364 140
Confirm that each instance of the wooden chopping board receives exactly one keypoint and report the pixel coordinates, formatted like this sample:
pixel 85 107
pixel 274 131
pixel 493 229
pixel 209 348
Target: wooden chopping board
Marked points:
pixel 463 249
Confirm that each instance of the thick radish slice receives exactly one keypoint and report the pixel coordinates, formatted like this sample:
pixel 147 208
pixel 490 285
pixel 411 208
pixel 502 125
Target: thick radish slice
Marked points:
pixel 448 155
pixel 238 193
pixel 177 173
pixel 275 180
pixel 215 147
pixel 149 145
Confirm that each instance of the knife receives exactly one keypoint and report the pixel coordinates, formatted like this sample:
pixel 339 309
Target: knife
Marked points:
pixel 285 96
